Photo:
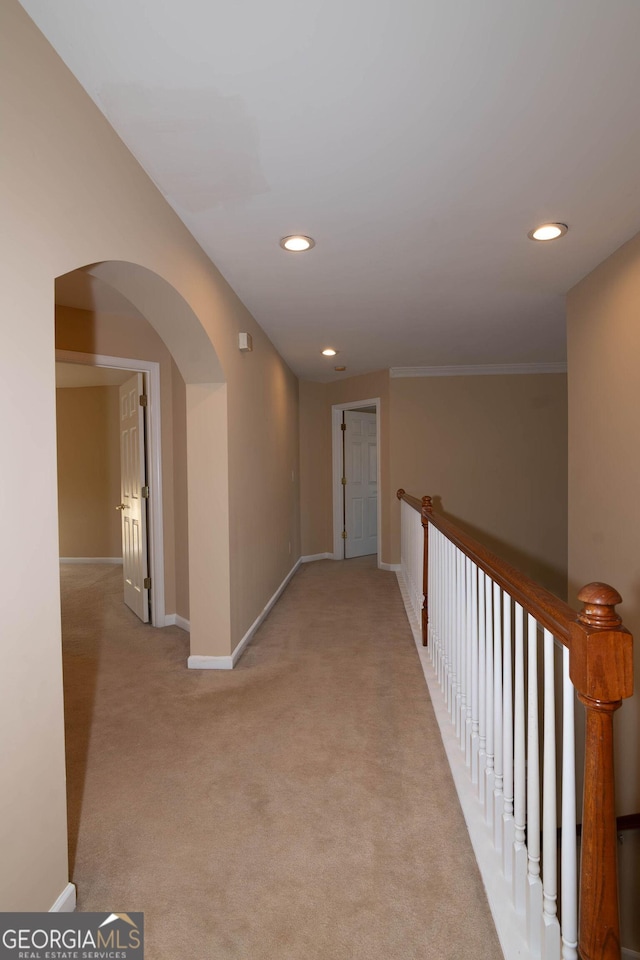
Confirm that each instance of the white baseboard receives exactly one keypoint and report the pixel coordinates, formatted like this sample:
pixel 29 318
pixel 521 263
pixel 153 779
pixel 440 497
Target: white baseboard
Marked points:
pixel 91 560
pixel 66 902
pixel 209 663
pixel 175 620
pixel 228 663
pixel 393 567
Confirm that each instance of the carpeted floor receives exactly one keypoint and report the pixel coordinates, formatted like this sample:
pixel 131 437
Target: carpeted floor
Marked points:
pixel 297 808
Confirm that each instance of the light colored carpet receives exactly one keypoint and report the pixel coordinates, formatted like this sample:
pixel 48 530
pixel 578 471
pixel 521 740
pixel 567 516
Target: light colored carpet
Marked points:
pixel 299 807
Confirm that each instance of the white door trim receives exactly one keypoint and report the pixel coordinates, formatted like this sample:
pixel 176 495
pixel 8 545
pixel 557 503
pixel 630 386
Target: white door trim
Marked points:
pixel 154 464
pixel 336 456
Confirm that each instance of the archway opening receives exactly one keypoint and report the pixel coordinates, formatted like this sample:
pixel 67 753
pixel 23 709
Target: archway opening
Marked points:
pixel 121 314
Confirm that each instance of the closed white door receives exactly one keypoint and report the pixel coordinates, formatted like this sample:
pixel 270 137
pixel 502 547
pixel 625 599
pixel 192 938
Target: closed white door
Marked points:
pixel 361 487
pixel 133 505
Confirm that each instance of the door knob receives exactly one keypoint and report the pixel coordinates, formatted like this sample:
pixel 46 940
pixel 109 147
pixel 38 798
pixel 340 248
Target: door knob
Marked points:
pixel 122 506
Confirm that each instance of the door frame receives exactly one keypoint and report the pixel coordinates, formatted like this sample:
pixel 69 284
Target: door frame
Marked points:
pixel 336 459
pixel 155 527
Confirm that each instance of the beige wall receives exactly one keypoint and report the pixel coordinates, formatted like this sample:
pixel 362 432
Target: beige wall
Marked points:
pixel 88 471
pixel 493 451
pixel 264 498
pixel 492 448
pixel 180 505
pixel 315 470
pixel 134 338
pixel 72 195
pixel 316 495
pixel 603 331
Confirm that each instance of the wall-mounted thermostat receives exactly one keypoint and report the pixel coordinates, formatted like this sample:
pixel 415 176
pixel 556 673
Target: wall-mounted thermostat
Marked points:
pixel 245 342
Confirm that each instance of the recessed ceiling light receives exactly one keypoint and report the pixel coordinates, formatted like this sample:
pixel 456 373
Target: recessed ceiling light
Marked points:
pixel 548 231
pixel 329 352
pixel 339 369
pixel 297 244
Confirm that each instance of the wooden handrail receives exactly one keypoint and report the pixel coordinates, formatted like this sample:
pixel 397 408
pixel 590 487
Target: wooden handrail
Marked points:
pixel 549 610
pixel 412 501
pixel 601 669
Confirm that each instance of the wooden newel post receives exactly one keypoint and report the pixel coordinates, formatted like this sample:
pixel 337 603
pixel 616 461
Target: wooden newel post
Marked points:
pixel 601 668
pixel 427 508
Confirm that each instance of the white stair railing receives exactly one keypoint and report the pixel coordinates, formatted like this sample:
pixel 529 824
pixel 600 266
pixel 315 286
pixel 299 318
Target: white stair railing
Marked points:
pixel 499 671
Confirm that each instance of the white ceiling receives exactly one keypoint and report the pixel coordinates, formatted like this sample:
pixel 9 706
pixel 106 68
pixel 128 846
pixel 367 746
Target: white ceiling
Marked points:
pixel 416 140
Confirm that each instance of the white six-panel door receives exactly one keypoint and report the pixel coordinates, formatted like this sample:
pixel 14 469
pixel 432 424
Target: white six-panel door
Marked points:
pixel 133 505
pixel 361 489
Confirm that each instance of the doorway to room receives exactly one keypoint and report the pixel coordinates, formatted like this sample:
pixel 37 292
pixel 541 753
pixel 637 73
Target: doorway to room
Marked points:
pixel 133 482
pixel 356 479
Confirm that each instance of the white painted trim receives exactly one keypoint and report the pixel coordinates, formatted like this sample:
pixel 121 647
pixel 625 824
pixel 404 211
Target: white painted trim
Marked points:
pixel 316 556
pixel 114 560
pixel 228 663
pixel 478 370
pixel 336 462
pixel 393 567
pixel 628 954
pixel 175 620
pixel 209 663
pixel 154 462
pixel 510 926
pixel 66 902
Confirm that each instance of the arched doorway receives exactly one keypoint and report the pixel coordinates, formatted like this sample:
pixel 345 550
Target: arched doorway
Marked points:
pixel 151 297
pixel 122 309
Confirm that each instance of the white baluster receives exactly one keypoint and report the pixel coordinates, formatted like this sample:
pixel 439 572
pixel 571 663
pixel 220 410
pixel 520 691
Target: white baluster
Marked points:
pixel 497 720
pixel 475 716
pixel 431 590
pixel 469 663
pixel 519 780
pixel 444 646
pixel 461 701
pixel 482 688
pixel 407 546
pixel 442 620
pixel 406 550
pixel 551 928
pixel 507 739
pixel 403 540
pixel 489 770
pixel 419 539
pixel 456 657
pixel 440 603
pixel 437 627
pixel 414 563
pixel 534 884
pixel 453 635
pixel 569 869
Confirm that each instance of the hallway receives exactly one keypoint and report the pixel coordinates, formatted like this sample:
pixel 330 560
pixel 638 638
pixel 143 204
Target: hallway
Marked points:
pixel 297 807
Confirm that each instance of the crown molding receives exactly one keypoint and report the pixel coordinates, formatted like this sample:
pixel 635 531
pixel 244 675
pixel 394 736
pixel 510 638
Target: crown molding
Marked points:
pixel 478 370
